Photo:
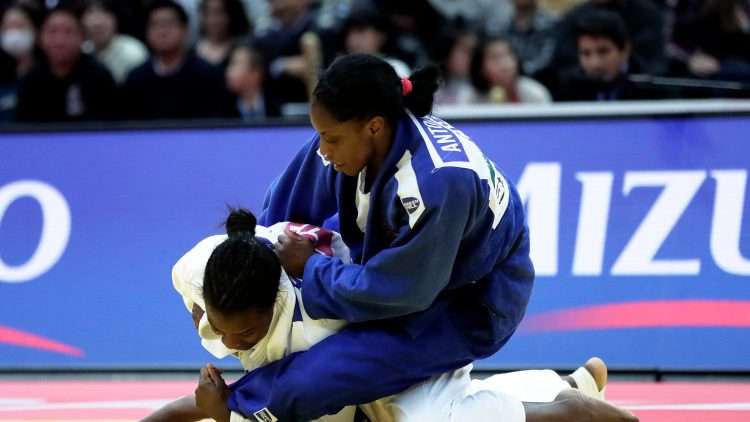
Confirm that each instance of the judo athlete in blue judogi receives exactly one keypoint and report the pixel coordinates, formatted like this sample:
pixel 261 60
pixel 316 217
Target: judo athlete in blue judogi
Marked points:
pixel 441 274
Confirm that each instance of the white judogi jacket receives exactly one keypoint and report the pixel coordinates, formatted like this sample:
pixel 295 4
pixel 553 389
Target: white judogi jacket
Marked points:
pixel 285 334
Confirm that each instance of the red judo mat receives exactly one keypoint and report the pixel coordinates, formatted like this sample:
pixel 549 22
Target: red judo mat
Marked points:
pixel 78 401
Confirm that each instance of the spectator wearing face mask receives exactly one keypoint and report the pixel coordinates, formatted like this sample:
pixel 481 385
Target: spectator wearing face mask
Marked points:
pixel 66 84
pixel 18 29
pixel 120 53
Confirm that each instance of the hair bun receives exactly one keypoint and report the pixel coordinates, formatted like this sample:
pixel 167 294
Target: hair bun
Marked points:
pixel 424 82
pixel 240 223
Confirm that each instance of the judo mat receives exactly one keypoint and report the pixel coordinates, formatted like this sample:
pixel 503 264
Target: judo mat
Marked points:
pixel 111 400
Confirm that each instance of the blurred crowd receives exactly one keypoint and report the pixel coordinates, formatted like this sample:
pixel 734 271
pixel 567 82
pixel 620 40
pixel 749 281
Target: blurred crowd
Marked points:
pixel 82 60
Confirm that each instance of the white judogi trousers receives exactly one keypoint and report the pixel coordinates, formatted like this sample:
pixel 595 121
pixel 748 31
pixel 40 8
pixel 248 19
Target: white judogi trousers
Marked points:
pixel 455 397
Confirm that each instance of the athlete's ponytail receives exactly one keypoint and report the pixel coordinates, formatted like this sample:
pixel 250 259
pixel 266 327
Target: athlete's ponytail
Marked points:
pixel 361 86
pixel 242 273
pixel 424 83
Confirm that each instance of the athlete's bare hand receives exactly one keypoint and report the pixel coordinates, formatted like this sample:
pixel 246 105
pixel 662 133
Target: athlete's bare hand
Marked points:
pixel 212 393
pixel 294 251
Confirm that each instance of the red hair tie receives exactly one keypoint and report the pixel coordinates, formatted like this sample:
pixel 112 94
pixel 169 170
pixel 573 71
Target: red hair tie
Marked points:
pixel 406 86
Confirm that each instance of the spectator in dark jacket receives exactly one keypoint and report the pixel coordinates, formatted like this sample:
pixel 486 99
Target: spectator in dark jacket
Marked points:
pixel 643 20
pixel 604 63
pixel 174 83
pixel 66 85
pixel 366 32
pixel 244 78
pixel 531 29
pixel 292 71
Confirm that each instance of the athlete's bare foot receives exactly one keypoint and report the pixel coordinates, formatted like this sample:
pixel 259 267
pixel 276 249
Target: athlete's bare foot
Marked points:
pixel 598 369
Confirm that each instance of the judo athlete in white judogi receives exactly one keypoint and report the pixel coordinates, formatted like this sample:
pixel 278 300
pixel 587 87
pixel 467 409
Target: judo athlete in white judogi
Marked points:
pixel 256 341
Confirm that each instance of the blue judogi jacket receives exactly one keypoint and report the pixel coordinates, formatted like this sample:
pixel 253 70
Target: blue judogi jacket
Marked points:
pixel 445 235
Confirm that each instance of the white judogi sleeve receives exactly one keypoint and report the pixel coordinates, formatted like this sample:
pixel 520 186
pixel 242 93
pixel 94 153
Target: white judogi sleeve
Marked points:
pixel 187 273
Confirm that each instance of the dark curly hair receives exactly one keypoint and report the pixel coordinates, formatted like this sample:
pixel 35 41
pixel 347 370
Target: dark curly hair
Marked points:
pixel 242 272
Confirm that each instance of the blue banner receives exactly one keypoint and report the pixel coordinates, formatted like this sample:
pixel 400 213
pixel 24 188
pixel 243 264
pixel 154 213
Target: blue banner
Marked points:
pixel 639 227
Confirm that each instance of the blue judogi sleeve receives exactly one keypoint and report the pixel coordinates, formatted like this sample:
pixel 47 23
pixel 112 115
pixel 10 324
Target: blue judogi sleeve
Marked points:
pixel 359 364
pixel 308 181
pixel 402 279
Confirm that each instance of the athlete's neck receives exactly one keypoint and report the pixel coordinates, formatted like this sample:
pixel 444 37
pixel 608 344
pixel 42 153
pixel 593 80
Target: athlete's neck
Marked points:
pixel 382 146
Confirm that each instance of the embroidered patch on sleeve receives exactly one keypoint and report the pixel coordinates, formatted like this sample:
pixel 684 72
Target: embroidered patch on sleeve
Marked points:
pixel 265 415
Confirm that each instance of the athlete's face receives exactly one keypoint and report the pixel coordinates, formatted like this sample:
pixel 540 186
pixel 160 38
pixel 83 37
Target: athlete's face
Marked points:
pixel 350 145
pixel 240 330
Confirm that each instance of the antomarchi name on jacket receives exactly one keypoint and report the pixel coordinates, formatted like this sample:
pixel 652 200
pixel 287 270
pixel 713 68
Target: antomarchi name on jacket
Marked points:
pixel 445 138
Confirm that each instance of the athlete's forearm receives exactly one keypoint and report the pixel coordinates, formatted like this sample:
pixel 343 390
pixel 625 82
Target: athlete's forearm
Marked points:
pixel 180 410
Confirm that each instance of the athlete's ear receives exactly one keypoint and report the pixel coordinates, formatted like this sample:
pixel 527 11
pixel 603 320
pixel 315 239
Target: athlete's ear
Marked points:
pixel 375 125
